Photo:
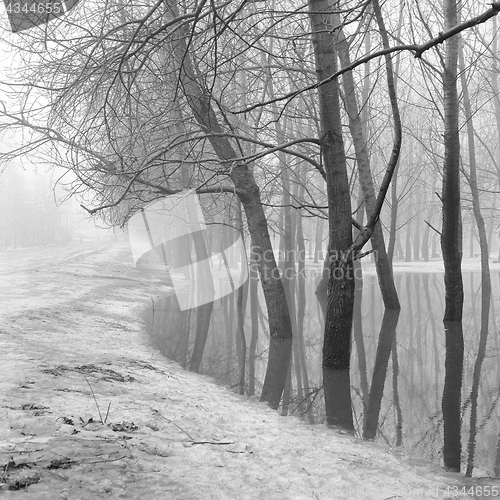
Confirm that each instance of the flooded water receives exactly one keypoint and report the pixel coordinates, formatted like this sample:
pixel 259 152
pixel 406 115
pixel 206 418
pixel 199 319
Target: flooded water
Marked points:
pixel 411 406
pixel 397 366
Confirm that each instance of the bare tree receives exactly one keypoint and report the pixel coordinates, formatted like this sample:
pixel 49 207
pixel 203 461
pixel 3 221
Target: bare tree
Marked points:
pixel 149 101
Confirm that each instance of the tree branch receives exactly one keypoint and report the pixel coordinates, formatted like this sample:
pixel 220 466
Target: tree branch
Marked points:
pixel 160 189
pixel 365 234
pixel 418 51
pixel 432 227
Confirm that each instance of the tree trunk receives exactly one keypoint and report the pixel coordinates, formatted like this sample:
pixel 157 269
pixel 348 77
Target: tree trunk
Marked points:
pixel 386 341
pixel 203 311
pixel 358 333
pixel 240 311
pixel 318 241
pixel 425 243
pixel 496 99
pixel 408 238
pixel 280 328
pixel 451 406
pixel 451 229
pixel 496 103
pixel 228 308
pixel 451 237
pixel 395 394
pixel 199 101
pixel 394 185
pixel 254 319
pixel 383 266
pixel 485 266
pixel 394 217
pixel 418 222
pixel 434 245
pixel 340 302
pixel 287 244
pixel 427 230
pixel 301 308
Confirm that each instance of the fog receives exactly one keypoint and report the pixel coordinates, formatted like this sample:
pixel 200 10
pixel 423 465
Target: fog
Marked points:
pixel 35 211
pixel 295 200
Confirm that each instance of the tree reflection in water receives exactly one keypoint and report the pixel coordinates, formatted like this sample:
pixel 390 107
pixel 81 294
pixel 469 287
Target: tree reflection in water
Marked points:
pixel 385 345
pixel 452 446
pixel 401 391
pixel 337 393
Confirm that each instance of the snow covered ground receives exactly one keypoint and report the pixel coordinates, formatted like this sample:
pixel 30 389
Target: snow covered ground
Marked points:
pixel 89 410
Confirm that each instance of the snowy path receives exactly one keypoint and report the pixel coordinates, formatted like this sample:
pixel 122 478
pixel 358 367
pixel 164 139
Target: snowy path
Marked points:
pixel 73 353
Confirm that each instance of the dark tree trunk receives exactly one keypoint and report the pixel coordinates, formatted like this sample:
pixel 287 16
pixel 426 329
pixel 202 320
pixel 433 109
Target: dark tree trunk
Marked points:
pixel 340 302
pixel 199 101
pixel 451 234
pixel 338 405
pixel 451 237
pixel 280 328
pixel 452 447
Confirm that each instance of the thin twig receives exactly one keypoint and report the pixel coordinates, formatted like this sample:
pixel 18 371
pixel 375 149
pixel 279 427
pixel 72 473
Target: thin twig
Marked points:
pixel 432 227
pixel 417 50
pixel 106 461
pixel 214 442
pixel 107 413
pixel 173 423
pixel 356 224
pixel 364 254
pixel 95 399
